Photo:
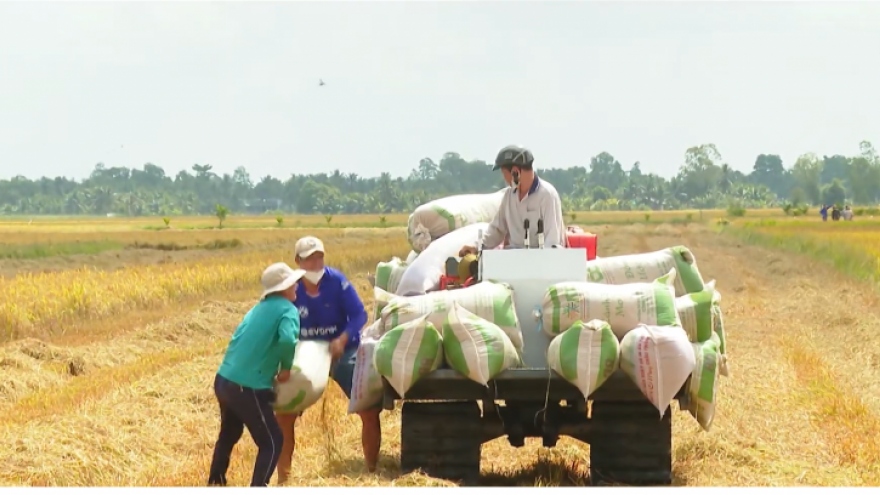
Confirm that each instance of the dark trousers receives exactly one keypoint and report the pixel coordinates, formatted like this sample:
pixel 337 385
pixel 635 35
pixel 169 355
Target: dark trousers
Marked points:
pixel 240 407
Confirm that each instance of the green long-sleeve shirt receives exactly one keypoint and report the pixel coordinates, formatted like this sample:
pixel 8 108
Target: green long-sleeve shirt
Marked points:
pixel 264 343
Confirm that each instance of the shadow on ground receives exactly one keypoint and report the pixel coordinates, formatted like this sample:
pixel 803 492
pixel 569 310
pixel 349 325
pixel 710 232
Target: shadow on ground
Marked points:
pixel 544 472
pixel 552 472
pixel 354 467
pixel 554 469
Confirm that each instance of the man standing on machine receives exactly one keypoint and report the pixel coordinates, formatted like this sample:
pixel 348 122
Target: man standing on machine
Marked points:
pixel 530 200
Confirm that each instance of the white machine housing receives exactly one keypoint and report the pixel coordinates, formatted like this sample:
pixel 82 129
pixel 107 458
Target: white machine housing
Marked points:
pixel 530 272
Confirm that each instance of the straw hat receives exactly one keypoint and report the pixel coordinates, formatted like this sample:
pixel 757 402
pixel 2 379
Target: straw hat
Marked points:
pixel 278 277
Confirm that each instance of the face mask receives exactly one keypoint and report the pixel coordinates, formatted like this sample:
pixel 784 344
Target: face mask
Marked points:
pixel 515 180
pixel 314 277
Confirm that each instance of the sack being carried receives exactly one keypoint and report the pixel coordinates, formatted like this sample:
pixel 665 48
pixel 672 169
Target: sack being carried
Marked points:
pixel 476 348
pixel 408 352
pixel 437 218
pixel 488 300
pixel 622 306
pixel 586 355
pixel 308 377
pixel 423 275
pixel 659 359
pixel 645 267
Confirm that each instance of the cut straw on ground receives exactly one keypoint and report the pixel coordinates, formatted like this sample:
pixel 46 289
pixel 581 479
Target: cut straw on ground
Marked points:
pixel 135 406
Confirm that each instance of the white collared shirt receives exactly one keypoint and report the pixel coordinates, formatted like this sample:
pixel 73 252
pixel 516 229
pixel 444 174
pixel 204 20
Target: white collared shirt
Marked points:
pixel 541 202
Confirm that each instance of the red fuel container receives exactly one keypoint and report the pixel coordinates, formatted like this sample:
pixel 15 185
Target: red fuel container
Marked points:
pixel 584 240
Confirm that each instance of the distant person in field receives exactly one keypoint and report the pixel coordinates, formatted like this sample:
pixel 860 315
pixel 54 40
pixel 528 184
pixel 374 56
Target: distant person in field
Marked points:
pixel 835 214
pixel 847 213
pixel 260 352
pixel 530 198
pixel 330 309
pixel 824 212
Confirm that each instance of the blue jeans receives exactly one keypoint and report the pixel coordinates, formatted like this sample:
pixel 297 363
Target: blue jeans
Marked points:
pixel 342 370
pixel 242 407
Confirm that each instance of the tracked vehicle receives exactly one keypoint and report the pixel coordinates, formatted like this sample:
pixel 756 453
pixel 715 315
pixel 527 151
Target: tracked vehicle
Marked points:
pixel 446 418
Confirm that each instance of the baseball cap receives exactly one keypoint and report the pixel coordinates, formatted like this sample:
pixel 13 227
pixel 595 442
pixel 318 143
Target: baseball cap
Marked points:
pixel 306 246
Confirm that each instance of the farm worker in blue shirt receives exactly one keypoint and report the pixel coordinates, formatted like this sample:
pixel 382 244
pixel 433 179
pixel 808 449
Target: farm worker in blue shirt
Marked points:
pixel 260 352
pixel 330 309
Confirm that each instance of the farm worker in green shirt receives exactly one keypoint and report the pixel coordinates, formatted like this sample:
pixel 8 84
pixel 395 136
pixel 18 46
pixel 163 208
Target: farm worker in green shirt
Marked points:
pixel 260 352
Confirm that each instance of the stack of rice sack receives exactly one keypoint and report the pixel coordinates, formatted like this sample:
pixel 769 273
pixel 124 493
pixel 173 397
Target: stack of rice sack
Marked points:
pixel 389 273
pixel 387 279
pixel 474 331
pixel 655 309
pixel 698 303
pixel 423 274
pixel 436 231
pixel 435 219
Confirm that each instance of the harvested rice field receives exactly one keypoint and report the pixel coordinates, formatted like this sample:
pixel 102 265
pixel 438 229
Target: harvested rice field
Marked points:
pixel 110 334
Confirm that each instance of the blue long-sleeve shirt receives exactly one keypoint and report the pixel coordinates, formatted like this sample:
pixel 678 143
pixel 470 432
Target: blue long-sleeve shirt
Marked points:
pixel 336 309
pixel 263 344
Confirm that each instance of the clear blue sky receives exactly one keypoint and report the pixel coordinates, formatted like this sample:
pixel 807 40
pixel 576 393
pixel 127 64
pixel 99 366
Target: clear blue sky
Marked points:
pixel 236 83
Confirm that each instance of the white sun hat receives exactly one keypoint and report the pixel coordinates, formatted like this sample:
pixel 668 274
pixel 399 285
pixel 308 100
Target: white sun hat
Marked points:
pixel 278 277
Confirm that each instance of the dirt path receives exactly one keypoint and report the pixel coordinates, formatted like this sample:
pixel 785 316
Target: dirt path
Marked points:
pixel 801 405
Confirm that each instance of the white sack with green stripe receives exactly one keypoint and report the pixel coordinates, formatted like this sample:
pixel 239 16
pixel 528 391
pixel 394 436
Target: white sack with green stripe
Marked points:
pixel 659 359
pixel 622 306
pixel 645 267
pixel 697 312
pixel 308 377
pixel 408 352
pixel 423 275
pixel 722 339
pixel 475 347
pixel 701 390
pixel 437 218
pixel 488 300
pixel 366 383
pixel 586 355
pixel 389 273
pixel 381 299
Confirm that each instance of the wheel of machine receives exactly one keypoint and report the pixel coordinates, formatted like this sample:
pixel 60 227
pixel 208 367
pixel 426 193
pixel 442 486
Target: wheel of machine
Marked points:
pixel 443 439
pixel 630 444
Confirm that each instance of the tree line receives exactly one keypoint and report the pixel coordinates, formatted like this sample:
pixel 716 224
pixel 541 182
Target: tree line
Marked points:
pixel 704 180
